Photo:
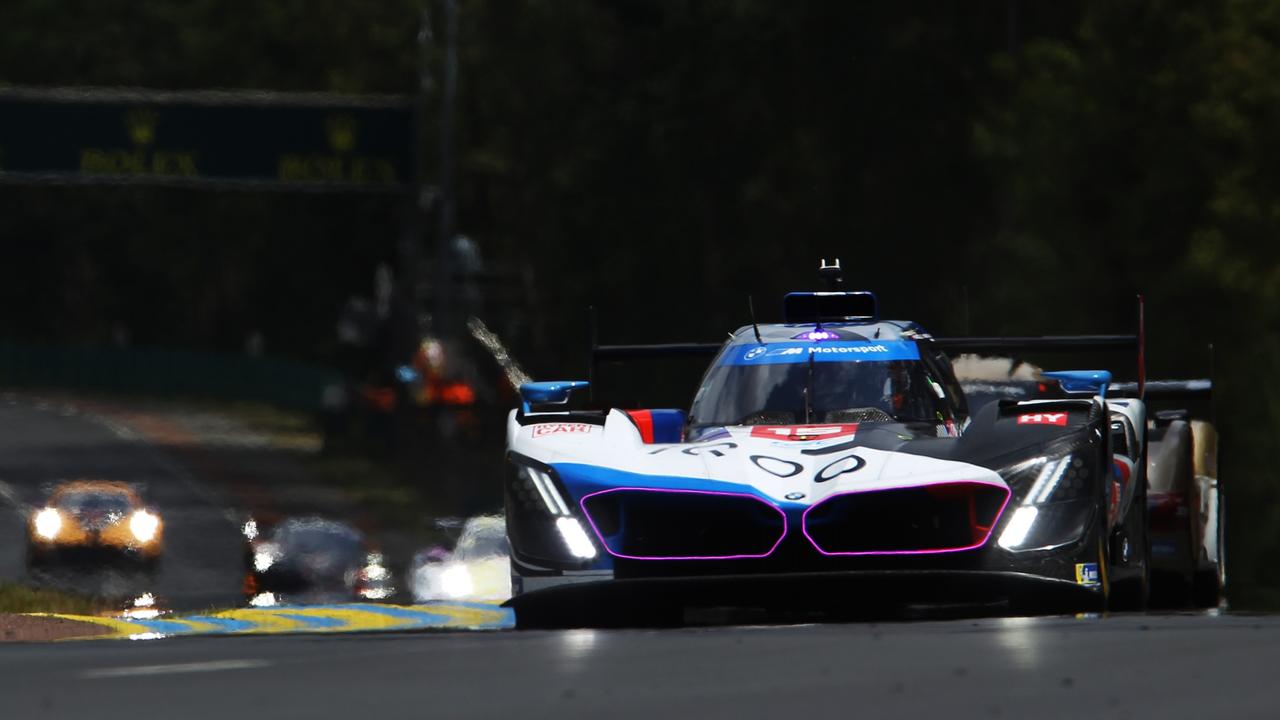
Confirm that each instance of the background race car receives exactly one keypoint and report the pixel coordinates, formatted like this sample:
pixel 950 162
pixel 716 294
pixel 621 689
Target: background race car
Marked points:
pixel 478 568
pixel 308 560
pixel 91 521
pixel 1186 508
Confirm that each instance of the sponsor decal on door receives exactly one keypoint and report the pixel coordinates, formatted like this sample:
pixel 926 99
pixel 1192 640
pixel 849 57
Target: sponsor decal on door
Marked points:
pixel 1059 419
pixel 544 429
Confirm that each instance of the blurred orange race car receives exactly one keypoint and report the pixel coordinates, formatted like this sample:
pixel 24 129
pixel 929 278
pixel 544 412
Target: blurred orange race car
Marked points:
pixel 90 519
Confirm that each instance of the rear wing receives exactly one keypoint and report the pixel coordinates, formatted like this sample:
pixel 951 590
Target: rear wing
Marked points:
pixel 1179 399
pixel 597 353
pixel 1057 344
pixel 1045 343
pixel 622 353
pixel 1064 344
pixel 1171 389
pixel 618 353
pixel 1076 344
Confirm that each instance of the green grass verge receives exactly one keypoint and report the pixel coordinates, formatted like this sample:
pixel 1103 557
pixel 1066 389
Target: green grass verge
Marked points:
pixel 377 489
pixel 22 599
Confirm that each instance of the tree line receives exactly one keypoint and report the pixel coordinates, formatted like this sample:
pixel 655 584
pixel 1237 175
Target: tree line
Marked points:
pixel 986 167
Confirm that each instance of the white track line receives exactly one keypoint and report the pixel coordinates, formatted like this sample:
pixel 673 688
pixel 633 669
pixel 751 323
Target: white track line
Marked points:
pixel 10 497
pixel 159 458
pixel 174 669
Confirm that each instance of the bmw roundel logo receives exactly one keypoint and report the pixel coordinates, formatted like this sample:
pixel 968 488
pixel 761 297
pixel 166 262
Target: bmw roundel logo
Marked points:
pixel 753 353
pixel 794 496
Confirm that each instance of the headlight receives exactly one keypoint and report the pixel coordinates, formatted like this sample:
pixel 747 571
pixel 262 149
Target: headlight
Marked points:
pixel 48 523
pixel 376 573
pixel 144 526
pixel 264 556
pixel 543 523
pixel 1019 525
pixel 263 600
pixel 374 593
pixel 540 482
pixel 575 538
pixel 1061 471
pixel 455 581
pixel 1055 493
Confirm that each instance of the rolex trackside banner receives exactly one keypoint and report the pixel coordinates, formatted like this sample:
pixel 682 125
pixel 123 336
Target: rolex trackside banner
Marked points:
pixel 205 137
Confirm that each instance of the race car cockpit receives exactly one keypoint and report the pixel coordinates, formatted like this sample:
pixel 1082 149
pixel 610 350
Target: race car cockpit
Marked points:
pixel 807 391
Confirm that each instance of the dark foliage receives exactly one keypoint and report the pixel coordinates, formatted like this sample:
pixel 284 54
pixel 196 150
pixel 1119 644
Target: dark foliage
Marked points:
pixel 986 167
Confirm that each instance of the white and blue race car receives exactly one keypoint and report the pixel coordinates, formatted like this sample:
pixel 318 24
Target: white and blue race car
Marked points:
pixel 827 464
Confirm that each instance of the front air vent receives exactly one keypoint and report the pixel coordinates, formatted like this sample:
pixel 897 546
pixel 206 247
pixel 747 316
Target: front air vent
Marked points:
pixel 941 518
pixel 654 524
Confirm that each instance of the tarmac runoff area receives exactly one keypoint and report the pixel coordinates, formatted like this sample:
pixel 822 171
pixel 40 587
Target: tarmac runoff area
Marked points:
pixel 356 617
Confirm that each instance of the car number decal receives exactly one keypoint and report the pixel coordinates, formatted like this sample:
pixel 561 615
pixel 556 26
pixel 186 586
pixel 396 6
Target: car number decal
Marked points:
pixel 803 432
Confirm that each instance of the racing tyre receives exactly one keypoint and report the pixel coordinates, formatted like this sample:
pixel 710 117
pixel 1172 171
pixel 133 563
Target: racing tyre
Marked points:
pixel 1210 583
pixel 1175 589
pixel 1133 594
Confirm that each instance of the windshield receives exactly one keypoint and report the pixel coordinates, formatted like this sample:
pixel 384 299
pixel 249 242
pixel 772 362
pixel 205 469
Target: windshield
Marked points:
pixel 802 383
pixel 94 502
pixel 480 546
pixel 313 538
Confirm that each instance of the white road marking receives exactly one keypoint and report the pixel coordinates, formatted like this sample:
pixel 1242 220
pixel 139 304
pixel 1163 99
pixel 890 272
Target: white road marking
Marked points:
pixel 174 669
pixel 159 458
pixel 10 497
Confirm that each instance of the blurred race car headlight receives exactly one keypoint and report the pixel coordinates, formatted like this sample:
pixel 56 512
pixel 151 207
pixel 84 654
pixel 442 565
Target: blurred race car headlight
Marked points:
pixel 376 572
pixel 455 581
pixel 264 600
pixel 264 556
pixel 48 523
pixel 144 526
pixel 1055 492
pixel 373 581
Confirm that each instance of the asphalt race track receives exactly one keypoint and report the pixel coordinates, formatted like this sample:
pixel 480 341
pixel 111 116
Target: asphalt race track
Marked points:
pixel 1127 666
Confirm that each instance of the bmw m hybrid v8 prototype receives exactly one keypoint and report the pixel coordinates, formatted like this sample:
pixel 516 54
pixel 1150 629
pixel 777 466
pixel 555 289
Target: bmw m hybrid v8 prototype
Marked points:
pixel 830 463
